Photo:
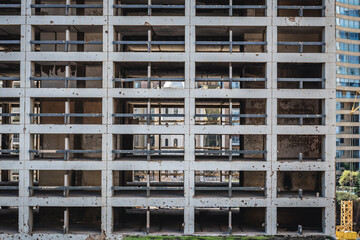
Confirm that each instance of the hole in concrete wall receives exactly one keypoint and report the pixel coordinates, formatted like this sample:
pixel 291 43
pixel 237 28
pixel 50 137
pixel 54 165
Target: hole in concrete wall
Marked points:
pixel 222 8
pixel 153 111
pixel 11 7
pixel 165 183
pixel 230 183
pixel 230 112
pixel 301 8
pixel 290 218
pixel 90 8
pixel 80 111
pixel 160 220
pixel 300 112
pixel 158 8
pixel 300 39
pixel 218 147
pixel 9 183
pixel 216 75
pixel 53 147
pixel 53 75
pixel 50 38
pixel 9 146
pixel 72 183
pixel 9 74
pixel 148 147
pixel 300 184
pixel 162 39
pixel 217 220
pixel 300 147
pixel 163 75
pixel 10 37
pixel 48 219
pixel 9 111
pixel 9 218
pixel 217 39
pixel 300 76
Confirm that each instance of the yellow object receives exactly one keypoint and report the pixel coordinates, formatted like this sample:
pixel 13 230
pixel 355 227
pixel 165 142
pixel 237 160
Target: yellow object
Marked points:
pixel 344 231
pixel 354 109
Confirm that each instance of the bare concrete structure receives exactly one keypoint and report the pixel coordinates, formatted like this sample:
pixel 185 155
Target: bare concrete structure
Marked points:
pixel 167 117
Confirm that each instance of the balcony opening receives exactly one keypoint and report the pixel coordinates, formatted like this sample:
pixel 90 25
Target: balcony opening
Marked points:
pixel 300 184
pixel 300 8
pixel 66 111
pixel 149 111
pixel 230 147
pixel 9 146
pixel 300 76
pixel 67 183
pixel 66 75
pixel 230 111
pixel 159 183
pixel 9 74
pixel 231 39
pixel 230 75
pixel 151 147
pixel 149 39
pixel 9 38
pixel 229 184
pixel 300 112
pixel 9 183
pixel 300 40
pixel 154 75
pixel 300 148
pixel 74 38
pixel 66 147
pixel 77 8
pixel 9 111
pixel 10 8
pixel 155 8
pixel 237 8
pixel 9 218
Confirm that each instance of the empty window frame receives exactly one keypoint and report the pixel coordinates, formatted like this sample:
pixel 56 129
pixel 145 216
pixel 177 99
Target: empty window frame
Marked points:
pixel 222 8
pixel 75 38
pixel 9 74
pixel 63 7
pixel 9 218
pixel 300 184
pixel 151 183
pixel 300 76
pixel 66 75
pixel 71 220
pixel 300 8
pixel 155 75
pixel 66 111
pixel 148 219
pixel 9 146
pixel 300 220
pixel 149 39
pixel 71 183
pixel 9 183
pixel 10 7
pixel 66 147
pixel 230 111
pixel 9 111
pixel 229 184
pixel 149 8
pixel 148 147
pixel 149 111
pixel 300 148
pixel 300 112
pixel 231 39
pixel 9 38
pixel 230 147
pixel 300 40
pixel 224 220
pixel 220 75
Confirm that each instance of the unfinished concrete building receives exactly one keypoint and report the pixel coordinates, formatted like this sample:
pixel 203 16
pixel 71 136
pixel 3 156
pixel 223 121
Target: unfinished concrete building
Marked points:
pixel 166 117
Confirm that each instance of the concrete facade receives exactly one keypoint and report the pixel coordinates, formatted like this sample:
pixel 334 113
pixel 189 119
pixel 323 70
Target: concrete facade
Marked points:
pixel 261 162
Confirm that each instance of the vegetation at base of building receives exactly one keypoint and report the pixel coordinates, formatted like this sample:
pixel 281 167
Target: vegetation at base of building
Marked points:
pixel 225 238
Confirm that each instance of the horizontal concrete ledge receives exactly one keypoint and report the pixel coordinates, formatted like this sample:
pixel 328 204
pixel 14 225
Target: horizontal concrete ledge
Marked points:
pixel 65 165
pixel 61 129
pixel 49 201
pixel 302 166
